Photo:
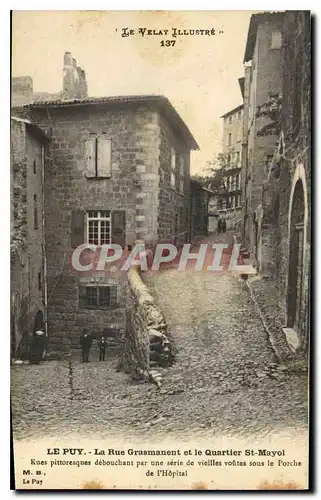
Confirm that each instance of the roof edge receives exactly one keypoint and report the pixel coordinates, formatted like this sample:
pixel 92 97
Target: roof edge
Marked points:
pixel 240 106
pixel 152 99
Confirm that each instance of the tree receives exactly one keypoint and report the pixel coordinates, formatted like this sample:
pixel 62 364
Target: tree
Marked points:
pixel 272 110
pixel 214 173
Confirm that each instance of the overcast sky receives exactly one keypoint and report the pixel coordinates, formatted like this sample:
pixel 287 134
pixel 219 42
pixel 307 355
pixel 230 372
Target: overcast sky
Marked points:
pixel 199 74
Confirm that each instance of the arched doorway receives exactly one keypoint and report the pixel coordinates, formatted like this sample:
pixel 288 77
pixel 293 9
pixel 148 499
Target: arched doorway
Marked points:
pixel 295 271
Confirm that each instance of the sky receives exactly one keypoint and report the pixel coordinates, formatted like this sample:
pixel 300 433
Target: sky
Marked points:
pixel 199 74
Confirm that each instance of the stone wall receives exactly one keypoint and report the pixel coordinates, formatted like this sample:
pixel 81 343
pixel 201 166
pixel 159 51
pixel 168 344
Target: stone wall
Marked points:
pixel 143 319
pixel 21 91
pixel 27 279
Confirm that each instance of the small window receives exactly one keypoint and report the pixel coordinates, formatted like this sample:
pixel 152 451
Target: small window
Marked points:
pixel 99 227
pixel 230 119
pixel 39 282
pixel 34 167
pixel 269 162
pixel 173 168
pixel 181 173
pixel 229 139
pixel 276 40
pixel 35 211
pixel 97 297
pixel 237 157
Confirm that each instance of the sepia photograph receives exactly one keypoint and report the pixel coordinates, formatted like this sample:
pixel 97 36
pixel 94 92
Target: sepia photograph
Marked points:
pixel 160 249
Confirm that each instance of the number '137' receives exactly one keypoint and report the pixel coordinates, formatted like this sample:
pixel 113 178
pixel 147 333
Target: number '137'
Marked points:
pixel 168 43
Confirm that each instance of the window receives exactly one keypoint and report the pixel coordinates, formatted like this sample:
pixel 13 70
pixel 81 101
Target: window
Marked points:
pixel 173 168
pixel 238 181
pixel 229 139
pixel 230 119
pixel 98 297
pixel 181 173
pixel 35 211
pixel 237 157
pixel 98 157
pixel 269 162
pixel 39 282
pixel 34 166
pixel 276 40
pixel 99 227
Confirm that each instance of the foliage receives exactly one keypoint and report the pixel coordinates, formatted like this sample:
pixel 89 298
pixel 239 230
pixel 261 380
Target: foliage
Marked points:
pixel 271 110
pixel 214 173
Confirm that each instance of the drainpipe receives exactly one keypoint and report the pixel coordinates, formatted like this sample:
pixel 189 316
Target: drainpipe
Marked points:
pixel 44 256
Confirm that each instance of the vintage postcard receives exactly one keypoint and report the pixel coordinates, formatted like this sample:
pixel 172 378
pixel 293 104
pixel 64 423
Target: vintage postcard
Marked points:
pixel 160 249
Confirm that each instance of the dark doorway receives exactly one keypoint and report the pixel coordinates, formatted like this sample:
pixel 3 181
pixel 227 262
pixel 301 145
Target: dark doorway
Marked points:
pixel 295 272
pixel 39 322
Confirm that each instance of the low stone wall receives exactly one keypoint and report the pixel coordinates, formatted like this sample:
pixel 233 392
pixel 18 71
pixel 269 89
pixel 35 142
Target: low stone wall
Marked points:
pixel 144 317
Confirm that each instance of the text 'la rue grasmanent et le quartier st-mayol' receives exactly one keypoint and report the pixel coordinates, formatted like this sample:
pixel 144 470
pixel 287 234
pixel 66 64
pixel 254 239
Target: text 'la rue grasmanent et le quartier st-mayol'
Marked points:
pixel 115 454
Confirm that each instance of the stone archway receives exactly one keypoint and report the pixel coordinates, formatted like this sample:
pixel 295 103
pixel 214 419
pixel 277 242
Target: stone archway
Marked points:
pixel 297 219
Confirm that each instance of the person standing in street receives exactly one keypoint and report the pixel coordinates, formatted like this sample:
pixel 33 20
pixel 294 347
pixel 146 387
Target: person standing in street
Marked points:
pixel 102 348
pixel 85 343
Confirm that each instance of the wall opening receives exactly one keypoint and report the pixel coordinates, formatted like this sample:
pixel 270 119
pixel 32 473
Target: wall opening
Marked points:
pixel 295 272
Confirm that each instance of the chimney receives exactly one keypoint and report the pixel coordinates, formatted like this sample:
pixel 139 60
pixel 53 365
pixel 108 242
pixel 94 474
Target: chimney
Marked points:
pixel 22 91
pixel 74 79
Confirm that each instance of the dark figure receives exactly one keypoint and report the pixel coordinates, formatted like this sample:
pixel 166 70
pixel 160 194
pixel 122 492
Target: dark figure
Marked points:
pixel 37 347
pixel 102 348
pixel 224 226
pixel 85 343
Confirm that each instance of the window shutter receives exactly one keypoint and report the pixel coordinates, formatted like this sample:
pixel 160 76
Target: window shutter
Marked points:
pixel 82 296
pixel 77 228
pixel 118 227
pixel 104 157
pixel 113 296
pixel 90 153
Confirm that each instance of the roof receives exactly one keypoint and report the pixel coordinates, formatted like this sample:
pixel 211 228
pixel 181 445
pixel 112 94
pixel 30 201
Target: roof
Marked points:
pixel 161 103
pixel 32 127
pixel 257 19
pixel 233 110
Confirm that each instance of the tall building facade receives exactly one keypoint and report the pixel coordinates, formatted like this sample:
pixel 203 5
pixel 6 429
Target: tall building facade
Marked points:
pixel 28 265
pixel 229 203
pixel 263 79
pixel 276 165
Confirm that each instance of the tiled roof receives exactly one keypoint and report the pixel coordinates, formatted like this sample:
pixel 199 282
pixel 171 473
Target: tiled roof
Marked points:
pixel 159 101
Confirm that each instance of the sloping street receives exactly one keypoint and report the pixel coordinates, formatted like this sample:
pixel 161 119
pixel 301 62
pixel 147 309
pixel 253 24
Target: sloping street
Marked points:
pixel 225 379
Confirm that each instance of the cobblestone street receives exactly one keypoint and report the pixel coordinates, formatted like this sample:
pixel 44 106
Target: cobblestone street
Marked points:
pixel 225 379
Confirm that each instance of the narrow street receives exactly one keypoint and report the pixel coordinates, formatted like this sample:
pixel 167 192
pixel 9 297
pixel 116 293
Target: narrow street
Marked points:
pixel 225 379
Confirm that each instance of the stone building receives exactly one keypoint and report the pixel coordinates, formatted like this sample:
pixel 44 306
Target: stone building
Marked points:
pixel 229 204
pixel 287 190
pixel 263 78
pixel 277 184
pixel 28 278
pixel 199 219
pixel 117 170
